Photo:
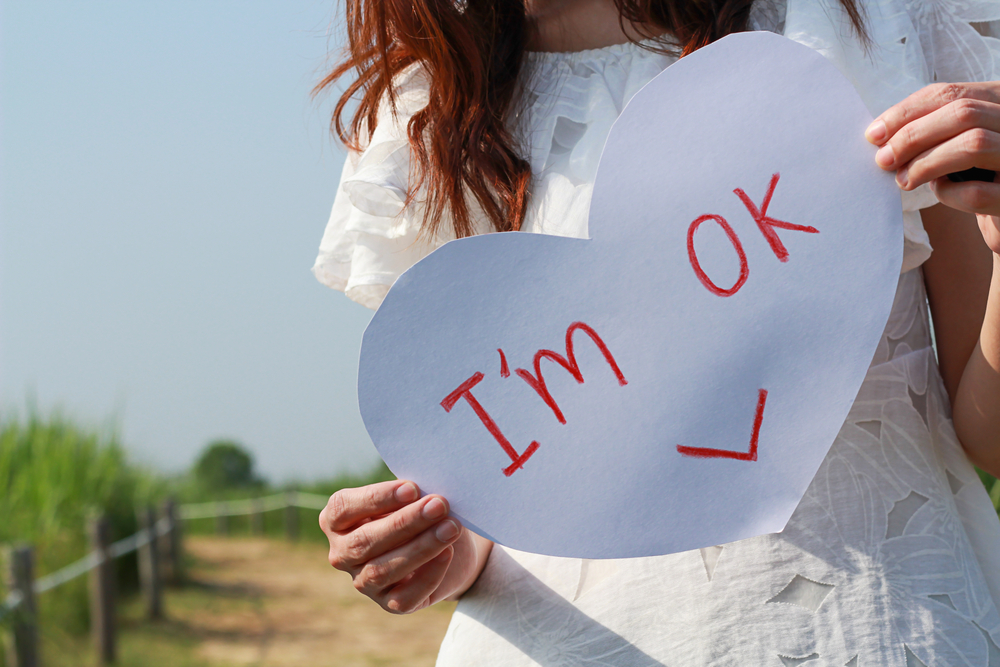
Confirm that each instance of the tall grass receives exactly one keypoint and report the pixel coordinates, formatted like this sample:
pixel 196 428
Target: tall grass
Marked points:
pixel 54 476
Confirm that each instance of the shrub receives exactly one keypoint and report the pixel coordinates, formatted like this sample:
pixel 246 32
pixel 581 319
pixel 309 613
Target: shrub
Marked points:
pixel 223 465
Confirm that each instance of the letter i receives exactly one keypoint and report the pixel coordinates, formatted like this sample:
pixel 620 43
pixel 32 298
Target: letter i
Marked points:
pixel 464 390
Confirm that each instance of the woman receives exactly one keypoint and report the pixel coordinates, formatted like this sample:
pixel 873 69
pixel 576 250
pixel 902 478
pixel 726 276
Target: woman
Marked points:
pixel 893 556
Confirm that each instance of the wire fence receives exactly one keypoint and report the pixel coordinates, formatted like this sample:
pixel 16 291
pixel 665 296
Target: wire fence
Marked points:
pixel 86 564
pixel 309 501
pixel 165 526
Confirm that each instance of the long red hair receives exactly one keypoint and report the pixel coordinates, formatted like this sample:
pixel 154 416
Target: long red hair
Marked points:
pixel 472 51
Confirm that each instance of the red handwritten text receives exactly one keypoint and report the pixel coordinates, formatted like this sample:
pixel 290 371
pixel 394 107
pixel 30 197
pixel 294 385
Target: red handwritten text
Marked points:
pixel 765 223
pixel 749 455
pixel 698 271
pixel 464 390
pixel 537 382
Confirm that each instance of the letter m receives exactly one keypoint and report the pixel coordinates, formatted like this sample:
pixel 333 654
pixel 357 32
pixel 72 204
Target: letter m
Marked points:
pixel 537 382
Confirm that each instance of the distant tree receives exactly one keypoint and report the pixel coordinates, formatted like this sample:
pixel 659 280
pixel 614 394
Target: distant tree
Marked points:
pixel 225 464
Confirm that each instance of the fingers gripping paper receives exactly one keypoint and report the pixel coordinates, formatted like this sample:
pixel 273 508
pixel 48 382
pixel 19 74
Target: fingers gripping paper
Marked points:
pixel 676 380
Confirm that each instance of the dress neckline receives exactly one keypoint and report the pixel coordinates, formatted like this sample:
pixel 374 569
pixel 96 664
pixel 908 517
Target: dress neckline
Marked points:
pixel 599 53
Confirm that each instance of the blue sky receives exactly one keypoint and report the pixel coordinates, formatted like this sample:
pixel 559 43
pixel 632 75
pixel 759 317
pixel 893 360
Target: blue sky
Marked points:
pixel 165 182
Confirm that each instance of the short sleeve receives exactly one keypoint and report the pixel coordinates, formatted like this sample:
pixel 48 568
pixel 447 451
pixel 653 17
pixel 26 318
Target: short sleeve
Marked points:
pixel 373 236
pixel 914 43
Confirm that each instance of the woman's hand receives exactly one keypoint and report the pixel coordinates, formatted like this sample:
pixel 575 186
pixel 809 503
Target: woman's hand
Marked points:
pixel 940 130
pixel 943 129
pixel 402 551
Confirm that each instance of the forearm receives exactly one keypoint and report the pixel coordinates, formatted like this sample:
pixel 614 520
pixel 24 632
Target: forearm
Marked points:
pixel 976 407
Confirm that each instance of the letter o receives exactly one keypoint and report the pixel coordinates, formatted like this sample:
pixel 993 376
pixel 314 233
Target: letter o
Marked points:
pixel 737 246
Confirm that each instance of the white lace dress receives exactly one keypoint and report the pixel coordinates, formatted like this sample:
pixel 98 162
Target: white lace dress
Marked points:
pixel 893 555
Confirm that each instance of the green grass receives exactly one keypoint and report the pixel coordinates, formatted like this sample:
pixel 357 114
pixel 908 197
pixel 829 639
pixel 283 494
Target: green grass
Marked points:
pixel 141 643
pixel 55 476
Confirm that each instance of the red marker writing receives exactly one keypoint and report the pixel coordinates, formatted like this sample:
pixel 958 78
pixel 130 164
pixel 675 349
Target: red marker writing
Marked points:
pixel 749 455
pixel 464 390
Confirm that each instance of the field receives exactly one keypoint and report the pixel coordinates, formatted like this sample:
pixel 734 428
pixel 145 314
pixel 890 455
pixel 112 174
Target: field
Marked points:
pixel 266 603
pixel 55 476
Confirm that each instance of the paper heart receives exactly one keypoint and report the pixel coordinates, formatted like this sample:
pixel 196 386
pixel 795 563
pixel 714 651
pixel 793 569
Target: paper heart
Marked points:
pixel 676 380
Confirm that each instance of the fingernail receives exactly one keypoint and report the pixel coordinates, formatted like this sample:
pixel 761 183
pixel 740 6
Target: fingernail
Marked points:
pixel 885 157
pixel 447 531
pixel 443 556
pixel 902 178
pixel 876 132
pixel 434 509
pixel 406 493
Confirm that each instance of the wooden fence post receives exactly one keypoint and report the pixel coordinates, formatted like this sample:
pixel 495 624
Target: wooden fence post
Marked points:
pixel 257 517
pixel 172 544
pixel 149 566
pixel 22 644
pixel 102 593
pixel 291 516
pixel 222 519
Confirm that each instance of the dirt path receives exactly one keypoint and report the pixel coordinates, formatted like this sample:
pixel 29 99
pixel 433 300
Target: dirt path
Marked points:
pixel 267 603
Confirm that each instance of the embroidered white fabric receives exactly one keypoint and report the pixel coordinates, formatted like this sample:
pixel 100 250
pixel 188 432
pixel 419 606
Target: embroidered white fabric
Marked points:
pixel 893 555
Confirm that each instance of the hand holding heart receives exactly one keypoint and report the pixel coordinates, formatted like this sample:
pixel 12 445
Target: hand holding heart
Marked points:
pixel 676 380
pixel 941 129
pixel 401 550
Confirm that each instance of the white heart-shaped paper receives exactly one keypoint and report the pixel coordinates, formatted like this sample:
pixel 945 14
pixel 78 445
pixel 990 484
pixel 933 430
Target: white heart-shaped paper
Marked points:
pixel 743 258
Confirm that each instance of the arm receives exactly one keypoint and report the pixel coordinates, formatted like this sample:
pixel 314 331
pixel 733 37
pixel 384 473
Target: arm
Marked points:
pixel 963 289
pixel 939 130
pixel 977 413
pixel 401 550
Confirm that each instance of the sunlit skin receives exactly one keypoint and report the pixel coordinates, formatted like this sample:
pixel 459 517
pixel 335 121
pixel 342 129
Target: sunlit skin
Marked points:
pixel 942 129
pixel 578 25
pixel 404 552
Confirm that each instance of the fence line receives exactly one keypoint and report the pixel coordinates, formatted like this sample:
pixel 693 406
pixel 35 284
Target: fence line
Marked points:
pixel 93 559
pixel 232 507
pixel 214 508
pixel 311 501
pixel 163 526
pixel 68 573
